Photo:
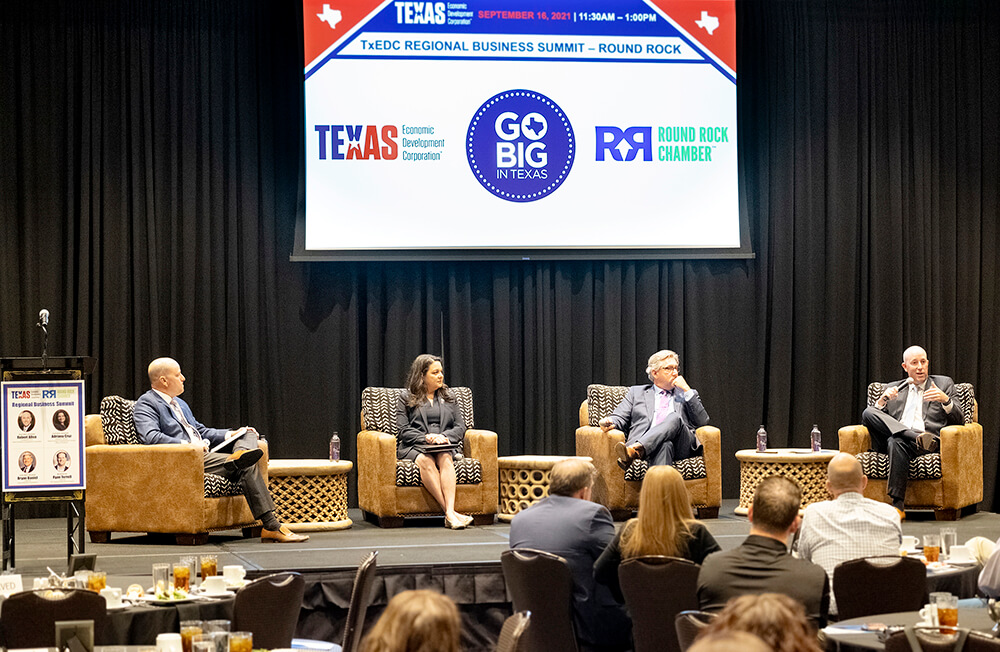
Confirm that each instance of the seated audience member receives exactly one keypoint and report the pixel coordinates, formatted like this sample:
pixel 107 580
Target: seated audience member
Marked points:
pixel 850 526
pixel 774 618
pixel 162 418
pixel 429 415
pixel 665 526
pixel 416 621
pixel 659 419
pixel 762 564
pixel 989 577
pixel 568 524
pixel 729 642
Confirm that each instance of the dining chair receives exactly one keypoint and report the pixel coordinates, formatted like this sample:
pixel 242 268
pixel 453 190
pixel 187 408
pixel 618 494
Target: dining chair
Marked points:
pixel 929 639
pixel 878 585
pixel 28 618
pixel 512 631
pixel 656 589
pixel 689 624
pixel 364 579
pixel 269 607
pixel 542 583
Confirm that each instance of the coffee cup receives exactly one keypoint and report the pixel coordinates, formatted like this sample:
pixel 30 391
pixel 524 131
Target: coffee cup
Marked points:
pixel 234 574
pixel 214 584
pixel 112 596
pixel 909 543
pixel 929 615
pixel 960 553
pixel 169 642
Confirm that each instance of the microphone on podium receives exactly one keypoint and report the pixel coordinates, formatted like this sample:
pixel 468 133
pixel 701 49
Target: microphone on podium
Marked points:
pixel 43 318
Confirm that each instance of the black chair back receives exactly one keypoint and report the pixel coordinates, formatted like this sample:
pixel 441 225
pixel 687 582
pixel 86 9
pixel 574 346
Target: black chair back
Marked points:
pixel 542 583
pixel 689 624
pixel 361 596
pixel 511 632
pixel 929 639
pixel 656 589
pixel 269 608
pixel 879 585
pixel 28 618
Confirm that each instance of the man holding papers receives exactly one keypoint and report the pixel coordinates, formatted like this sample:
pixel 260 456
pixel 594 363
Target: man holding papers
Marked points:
pixel 162 418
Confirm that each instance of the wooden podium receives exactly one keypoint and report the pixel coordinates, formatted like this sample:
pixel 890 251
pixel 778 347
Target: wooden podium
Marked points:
pixel 46 368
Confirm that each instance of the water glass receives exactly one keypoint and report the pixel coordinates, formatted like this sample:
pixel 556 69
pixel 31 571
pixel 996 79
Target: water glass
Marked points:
pixel 947 608
pixel 161 578
pixel 209 566
pixel 192 564
pixel 949 538
pixel 189 629
pixel 182 577
pixel 97 580
pixel 240 642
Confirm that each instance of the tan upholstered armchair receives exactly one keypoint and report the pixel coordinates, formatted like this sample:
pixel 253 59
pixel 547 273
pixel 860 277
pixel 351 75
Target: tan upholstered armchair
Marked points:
pixel 389 489
pixel 946 481
pixel 132 487
pixel 619 490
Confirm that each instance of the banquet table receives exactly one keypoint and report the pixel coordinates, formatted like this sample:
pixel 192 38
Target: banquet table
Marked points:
pixel 850 632
pixel 140 625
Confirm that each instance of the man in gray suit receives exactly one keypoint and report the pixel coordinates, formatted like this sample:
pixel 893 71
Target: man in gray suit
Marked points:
pixel 658 420
pixel 905 421
pixel 568 524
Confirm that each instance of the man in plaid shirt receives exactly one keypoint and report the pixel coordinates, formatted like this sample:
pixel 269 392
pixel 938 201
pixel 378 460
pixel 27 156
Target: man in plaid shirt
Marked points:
pixel 850 526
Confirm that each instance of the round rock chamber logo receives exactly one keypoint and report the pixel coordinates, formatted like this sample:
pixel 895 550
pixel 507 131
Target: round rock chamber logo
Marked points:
pixel 520 145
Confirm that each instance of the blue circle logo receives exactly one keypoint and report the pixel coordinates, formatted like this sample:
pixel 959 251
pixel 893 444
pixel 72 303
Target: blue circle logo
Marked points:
pixel 520 145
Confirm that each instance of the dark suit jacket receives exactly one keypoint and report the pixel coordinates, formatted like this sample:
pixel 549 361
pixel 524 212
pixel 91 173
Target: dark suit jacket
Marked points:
pixel 763 565
pixel 634 415
pixel 413 428
pixel 156 424
pixel 935 416
pixel 578 530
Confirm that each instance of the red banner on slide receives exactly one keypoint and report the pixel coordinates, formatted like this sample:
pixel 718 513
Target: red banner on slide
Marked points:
pixel 324 23
pixel 698 18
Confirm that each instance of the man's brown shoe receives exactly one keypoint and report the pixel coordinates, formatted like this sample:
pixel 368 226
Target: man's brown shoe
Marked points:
pixel 626 455
pixel 243 459
pixel 282 535
pixel 928 442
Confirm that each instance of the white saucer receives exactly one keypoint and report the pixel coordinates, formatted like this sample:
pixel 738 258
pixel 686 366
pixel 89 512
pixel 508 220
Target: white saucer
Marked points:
pixel 962 562
pixel 118 607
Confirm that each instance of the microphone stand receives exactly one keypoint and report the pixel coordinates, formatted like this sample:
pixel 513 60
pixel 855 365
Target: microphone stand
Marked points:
pixel 45 343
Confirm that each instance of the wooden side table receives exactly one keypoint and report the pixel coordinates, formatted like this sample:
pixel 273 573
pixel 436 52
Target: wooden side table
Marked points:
pixel 310 495
pixel 524 479
pixel 801 465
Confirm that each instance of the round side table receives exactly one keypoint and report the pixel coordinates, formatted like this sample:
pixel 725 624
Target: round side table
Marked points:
pixel 310 495
pixel 524 479
pixel 801 465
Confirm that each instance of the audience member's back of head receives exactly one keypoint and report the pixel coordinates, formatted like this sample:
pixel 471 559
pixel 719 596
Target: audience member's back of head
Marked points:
pixel 664 515
pixel 776 504
pixel 729 642
pixel 570 476
pixel 844 473
pixel 774 618
pixel 416 621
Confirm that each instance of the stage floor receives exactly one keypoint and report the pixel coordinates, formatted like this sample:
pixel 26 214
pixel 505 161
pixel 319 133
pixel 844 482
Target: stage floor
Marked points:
pixel 41 543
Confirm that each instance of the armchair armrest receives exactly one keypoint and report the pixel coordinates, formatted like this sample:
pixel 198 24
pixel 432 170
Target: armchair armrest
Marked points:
pixel 854 439
pixel 482 445
pixel 962 465
pixel 711 440
pixel 377 472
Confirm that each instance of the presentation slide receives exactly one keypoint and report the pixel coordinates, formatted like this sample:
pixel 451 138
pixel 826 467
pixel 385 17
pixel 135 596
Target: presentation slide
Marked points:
pixel 520 126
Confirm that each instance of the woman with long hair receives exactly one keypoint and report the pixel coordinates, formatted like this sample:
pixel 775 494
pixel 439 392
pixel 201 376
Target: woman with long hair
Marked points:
pixel 431 431
pixel 665 526
pixel 776 619
pixel 416 621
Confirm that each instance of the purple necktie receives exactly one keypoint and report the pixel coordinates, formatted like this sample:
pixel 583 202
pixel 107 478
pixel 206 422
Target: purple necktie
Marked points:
pixel 664 409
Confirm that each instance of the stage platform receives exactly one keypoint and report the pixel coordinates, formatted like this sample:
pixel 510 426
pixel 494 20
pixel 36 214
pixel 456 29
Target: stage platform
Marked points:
pixel 464 564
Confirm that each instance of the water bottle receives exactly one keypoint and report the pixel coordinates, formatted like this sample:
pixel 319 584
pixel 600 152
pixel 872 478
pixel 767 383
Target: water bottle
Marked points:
pixel 761 439
pixel 814 438
pixel 335 448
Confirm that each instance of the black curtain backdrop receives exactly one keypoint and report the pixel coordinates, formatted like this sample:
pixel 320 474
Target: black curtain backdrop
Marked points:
pixel 151 176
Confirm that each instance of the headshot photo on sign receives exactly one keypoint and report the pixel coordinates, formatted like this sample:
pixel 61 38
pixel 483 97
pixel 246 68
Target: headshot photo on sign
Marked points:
pixel 26 462
pixel 60 420
pixel 26 421
pixel 61 461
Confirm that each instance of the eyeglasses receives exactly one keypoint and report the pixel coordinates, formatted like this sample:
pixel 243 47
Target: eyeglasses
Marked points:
pixel 671 367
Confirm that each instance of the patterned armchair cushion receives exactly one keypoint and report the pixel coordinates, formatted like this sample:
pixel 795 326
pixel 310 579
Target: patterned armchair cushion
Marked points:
pixel 602 401
pixel 119 428
pixel 925 467
pixel 467 471
pixel 379 406
pixel 965 397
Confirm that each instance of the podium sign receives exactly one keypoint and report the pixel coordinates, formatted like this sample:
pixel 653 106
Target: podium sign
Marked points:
pixel 43 436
